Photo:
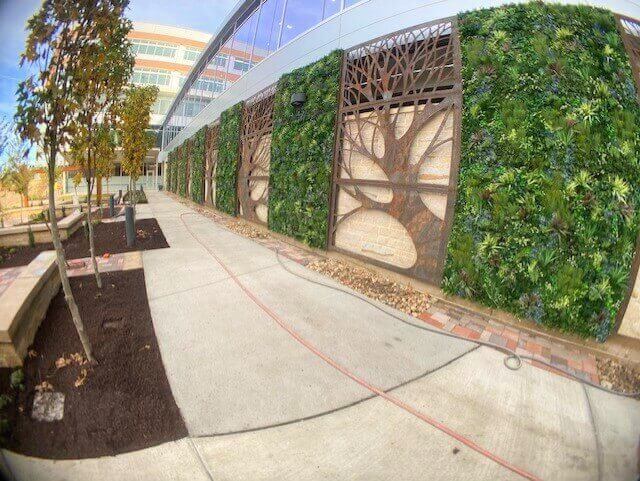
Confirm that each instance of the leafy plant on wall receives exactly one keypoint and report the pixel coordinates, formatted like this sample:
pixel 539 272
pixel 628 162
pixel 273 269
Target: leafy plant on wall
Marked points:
pixel 228 156
pixel 167 167
pixel 549 191
pixel 174 167
pixel 182 169
pixel 302 151
pixel 197 166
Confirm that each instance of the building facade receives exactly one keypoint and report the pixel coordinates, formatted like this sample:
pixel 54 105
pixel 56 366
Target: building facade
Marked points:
pixel 164 56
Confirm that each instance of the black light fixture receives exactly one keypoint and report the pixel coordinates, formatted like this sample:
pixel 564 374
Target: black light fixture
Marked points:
pixel 298 99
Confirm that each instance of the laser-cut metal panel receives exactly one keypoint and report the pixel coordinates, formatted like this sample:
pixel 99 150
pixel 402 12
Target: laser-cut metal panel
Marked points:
pixel 211 159
pixel 255 139
pixel 397 149
pixel 630 31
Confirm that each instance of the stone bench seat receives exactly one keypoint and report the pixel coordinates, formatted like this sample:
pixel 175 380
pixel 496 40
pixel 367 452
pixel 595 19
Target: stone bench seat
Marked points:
pixel 19 235
pixel 23 306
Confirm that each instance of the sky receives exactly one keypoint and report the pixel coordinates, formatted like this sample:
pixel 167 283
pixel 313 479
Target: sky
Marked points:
pixel 204 15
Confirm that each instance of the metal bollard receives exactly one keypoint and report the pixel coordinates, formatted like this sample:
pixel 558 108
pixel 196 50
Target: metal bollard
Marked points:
pixel 129 226
pixel 112 207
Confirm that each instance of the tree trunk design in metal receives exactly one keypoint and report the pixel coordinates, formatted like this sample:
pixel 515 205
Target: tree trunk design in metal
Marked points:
pixel 630 31
pixel 211 160
pixel 397 150
pixel 255 140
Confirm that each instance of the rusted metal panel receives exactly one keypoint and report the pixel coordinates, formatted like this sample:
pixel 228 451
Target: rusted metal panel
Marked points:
pixel 630 32
pixel 212 134
pixel 400 115
pixel 255 145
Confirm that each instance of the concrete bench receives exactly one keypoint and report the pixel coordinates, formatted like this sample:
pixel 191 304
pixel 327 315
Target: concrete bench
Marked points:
pixel 19 235
pixel 23 306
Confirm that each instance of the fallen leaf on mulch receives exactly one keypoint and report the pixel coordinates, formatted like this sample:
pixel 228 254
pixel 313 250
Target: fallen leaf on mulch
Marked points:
pixel 78 358
pixel 81 378
pixel 106 255
pixel 32 353
pixel 616 375
pixel 62 362
pixel 44 386
pixel 146 346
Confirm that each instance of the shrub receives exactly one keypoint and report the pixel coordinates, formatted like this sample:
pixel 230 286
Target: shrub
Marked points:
pixel 197 167
pixel 549 189
pixel 228 158
pixel 302 151
pixel 182 170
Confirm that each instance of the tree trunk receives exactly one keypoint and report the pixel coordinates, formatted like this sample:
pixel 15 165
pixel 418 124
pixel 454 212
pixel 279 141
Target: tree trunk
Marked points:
pixel 62 263
pixel 25 200
pixel 99 191
pixel 92 250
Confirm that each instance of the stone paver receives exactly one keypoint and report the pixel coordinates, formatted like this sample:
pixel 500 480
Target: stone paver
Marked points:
pixel 8 275
pixel 108 263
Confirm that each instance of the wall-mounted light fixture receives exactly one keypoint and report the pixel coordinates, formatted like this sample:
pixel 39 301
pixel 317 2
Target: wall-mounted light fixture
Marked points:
pixel 298 99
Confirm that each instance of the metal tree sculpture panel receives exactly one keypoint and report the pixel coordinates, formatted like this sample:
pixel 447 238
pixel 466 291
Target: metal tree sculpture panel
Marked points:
pixel 253 176
pixel 630 30
pixel 211 160
pixel 397 149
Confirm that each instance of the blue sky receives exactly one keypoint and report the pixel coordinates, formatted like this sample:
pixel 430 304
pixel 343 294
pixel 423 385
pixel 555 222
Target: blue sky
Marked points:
pixel 204 15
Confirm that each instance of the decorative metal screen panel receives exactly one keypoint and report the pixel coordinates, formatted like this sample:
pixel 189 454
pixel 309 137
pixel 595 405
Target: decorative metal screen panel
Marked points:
pixel 397 149
pixel 210 163
pixel 630 31
pixel 255 139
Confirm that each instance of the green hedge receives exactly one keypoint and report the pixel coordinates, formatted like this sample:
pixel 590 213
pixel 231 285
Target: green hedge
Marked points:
pixel 197 167
pixel 167 168
pixel 547 209
pixel 228 158
pixel 182 170
pixel 174 174
pixel 302 151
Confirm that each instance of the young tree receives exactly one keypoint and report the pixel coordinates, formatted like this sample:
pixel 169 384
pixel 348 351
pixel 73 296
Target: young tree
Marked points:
pixel 97 92
pixel 17 174
pixel 105 157
pixel 135 114
pixel 60 36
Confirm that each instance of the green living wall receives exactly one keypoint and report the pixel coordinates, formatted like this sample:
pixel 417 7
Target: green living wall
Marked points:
pixel 182 169
pixel 167 171
pixel 197 167
pixel 549 190
pixel 174 173
pixel 228 158
pixel 302 151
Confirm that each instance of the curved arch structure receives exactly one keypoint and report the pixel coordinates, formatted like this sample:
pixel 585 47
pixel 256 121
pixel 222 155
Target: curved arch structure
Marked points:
pixel 262 39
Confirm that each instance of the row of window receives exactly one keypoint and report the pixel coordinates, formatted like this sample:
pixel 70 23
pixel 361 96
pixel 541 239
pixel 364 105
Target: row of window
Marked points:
pixel 150 76
pixel 161 49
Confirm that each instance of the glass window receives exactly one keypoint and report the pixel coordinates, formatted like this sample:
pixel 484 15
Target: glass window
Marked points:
pixel 243 42
pixel 331 7
pixel 191 54
pixel 241 65
pixel 147 47
pixel 300 16
pixel 148 76
pixel 268 29
pixel 220 60
pixel 348 3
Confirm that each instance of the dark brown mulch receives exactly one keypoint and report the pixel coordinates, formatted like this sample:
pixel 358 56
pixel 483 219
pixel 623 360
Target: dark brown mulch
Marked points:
pixel 125 402
pixel 109 238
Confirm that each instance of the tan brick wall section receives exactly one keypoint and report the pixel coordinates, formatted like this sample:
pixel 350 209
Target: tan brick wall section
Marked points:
pixel 376 234
pixel 630 325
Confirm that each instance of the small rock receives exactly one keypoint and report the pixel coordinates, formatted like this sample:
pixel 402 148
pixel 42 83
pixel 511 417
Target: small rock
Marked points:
pixel 48 406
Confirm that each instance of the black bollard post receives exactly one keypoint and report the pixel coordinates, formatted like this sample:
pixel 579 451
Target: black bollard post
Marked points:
pixel 129 225
pixel 112 207
pixel 120 196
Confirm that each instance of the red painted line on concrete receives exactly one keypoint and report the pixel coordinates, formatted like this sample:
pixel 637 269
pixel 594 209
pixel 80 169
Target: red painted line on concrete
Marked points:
pixel 376 390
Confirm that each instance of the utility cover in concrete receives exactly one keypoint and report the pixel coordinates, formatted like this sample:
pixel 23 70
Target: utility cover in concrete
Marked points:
pixel 48 406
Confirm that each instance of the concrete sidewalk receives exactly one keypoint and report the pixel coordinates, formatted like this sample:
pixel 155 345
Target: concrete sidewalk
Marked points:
pixel 260 405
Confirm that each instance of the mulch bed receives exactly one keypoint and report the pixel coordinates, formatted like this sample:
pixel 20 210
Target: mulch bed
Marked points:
pixel 122 404
pixel 110 237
